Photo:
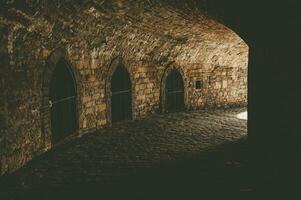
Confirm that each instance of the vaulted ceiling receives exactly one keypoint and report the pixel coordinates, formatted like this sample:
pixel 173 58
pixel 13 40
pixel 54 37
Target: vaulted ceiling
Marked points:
pixel 270 28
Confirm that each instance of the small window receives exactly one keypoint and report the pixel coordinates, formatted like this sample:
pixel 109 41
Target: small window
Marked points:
pixel 198 85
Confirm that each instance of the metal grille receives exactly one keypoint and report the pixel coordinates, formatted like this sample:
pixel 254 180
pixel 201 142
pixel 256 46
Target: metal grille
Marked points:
pixel 62 103
pixel 175 92
pixel 121 99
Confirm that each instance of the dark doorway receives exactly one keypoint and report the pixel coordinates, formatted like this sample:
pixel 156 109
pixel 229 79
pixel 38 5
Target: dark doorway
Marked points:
pixel 174 92
pixel 63 100
pixel 121 89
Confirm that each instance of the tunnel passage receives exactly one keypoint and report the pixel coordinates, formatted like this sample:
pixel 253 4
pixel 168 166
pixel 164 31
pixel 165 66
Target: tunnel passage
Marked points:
pixel 149 44
pixel 121 89
pixel 63 100
pixel 174 92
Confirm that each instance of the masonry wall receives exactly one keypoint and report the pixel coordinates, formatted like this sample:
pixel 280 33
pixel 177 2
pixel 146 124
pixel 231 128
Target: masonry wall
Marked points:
pixel 3 104
pixel 147 38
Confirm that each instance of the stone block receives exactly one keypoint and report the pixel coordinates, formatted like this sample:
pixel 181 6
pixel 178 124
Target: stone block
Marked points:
pixel 225 83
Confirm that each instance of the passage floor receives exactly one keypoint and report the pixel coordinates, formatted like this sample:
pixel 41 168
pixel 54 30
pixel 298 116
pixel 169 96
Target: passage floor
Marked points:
pixel 200 153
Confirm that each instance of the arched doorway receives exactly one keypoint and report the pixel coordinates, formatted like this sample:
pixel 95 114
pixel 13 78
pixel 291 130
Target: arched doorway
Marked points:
pixel 121 99
pixel 63 102
pixel 174 90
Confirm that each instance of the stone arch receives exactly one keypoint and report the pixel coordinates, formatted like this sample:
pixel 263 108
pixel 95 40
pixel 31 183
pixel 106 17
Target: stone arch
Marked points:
pixel 109 74
pixel 55 57
pixel 166 72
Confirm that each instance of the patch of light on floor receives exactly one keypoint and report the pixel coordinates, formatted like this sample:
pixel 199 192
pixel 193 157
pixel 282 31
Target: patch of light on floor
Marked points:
pixel 243 115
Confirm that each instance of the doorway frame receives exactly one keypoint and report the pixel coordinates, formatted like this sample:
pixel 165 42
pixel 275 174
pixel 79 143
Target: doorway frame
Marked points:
pixel 51 63
pixel 166 72
pixel 109 74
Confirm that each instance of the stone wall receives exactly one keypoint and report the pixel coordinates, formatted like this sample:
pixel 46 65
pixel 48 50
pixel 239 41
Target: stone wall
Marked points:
pixel 146 37
pixel 3 103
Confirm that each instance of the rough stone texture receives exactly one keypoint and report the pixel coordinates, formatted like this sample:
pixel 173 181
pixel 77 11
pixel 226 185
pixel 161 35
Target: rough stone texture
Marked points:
pixel 107 155
pixel 3 103
pixel 145 36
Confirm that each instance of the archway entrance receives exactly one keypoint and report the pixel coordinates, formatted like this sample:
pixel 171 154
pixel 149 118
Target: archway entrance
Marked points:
pixel 121 89
pixel 63 100
pixel 174 92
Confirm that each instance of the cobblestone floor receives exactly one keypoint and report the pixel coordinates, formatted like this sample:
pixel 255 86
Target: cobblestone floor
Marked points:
pixel 181 151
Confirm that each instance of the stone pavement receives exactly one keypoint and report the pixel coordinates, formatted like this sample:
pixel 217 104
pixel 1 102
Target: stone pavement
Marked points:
pixel 146 154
